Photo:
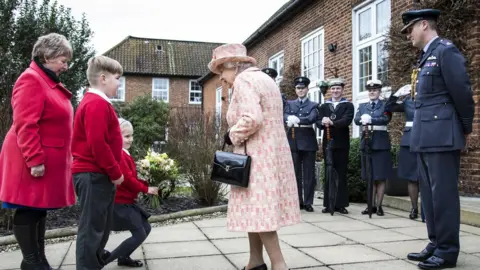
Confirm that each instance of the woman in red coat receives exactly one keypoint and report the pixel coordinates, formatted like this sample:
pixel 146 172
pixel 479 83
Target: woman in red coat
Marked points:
pixel 35 159
pixel 127 215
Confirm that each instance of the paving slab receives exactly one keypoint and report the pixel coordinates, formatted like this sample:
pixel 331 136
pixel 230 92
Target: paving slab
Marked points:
pixel 390 223
pixel 55 254
pixel 314 240
pixel 419 232
pixel 293 257
pixel 470 244
pixel 470 229
pixel 192 263
pixel 237 245
pixel 342 226
pixel 465 262
pixel 300 228
pixel 390 265
pixel 375 236
pixel 345 254
pixel 400 249
pixel 179 249
pixel 316 217
pixel 221 233
pixel 176 233
pixel 214 222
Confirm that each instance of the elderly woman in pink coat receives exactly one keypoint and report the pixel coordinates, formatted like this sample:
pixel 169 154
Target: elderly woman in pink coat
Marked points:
pixel 255 117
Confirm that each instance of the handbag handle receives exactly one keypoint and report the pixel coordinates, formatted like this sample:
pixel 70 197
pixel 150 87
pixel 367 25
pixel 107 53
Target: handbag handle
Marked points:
pixel 245 146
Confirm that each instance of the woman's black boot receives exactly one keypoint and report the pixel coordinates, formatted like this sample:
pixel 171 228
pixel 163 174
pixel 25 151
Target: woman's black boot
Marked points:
pixel 26 236
pixel 41 242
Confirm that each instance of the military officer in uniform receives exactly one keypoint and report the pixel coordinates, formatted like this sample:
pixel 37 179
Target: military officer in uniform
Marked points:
pixel 444 110
pixel 372 116
pixel 337 114
pixel 273 74
pixel 407 160
pixel 300 115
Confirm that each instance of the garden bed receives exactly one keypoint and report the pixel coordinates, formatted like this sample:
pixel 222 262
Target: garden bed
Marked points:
pixel 68 217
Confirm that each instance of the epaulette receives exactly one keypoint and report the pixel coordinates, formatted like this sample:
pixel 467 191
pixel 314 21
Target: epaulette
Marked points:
pixel 446 42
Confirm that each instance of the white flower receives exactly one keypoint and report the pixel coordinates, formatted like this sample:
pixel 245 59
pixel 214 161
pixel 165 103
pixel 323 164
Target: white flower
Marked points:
pixel 145 163
pixel 167 168
pixel 170 162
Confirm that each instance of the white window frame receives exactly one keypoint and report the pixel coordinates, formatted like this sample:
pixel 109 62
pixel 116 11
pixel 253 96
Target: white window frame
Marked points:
pixel 122 88
pixel 359 96
pixel 218 107
pixel 230 93
pixel 314 93
pixel 168 88
pixel 277 57
pixel 191 91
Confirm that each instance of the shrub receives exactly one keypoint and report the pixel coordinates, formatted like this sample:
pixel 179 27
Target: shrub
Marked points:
pixel 192 141
pixel 356 185
pixel 149 119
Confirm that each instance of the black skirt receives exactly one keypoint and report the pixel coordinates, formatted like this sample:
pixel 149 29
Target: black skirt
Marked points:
pixel 407 164
pixel 128 217
pixel 381 163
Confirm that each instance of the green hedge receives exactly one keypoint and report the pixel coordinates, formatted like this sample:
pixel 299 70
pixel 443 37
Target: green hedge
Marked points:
pixel 357 187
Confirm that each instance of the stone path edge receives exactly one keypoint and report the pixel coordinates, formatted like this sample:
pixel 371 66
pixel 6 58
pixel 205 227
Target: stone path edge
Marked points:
pixel 71 231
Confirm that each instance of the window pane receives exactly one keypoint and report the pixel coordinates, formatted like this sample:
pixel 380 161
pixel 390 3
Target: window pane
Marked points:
pixel 315 43
pixel 310 46
pixel 382 63
pixel 364 25
pixel 280 68
pixel 383 17
pixel 365 66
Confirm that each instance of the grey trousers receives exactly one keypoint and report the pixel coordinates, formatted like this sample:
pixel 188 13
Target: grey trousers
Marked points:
pixel 96 194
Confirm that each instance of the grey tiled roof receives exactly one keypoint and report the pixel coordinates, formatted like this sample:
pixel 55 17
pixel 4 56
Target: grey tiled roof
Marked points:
pixel 175 58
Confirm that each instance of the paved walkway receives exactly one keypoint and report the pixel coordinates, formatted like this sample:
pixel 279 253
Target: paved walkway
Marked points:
pixel 321 242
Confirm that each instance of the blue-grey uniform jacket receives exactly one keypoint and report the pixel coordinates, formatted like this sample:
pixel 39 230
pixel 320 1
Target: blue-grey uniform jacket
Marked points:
pixel 305 136
pixel 444 106
pixel 408 108
pixel 380 139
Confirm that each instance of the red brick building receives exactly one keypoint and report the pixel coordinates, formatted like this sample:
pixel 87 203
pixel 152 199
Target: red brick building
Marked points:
pixel 327 35
pixel 164 69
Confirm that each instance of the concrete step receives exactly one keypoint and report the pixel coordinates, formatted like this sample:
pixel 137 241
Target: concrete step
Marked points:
pixel 469 212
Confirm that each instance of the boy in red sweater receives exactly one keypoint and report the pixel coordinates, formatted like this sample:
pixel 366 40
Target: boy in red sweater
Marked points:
pixel 97 152
pixel 127 215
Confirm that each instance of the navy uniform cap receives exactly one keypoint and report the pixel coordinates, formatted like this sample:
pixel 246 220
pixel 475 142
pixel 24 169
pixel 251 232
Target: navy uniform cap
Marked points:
pixel 302 81
pixel 373 84
pixel 270 72
pixel 412 16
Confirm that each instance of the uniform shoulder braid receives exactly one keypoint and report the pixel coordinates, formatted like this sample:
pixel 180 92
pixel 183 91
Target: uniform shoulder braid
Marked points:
pixel 446 42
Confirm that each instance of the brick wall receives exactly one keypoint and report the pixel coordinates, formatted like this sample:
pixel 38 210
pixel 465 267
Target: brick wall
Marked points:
pixel 179 94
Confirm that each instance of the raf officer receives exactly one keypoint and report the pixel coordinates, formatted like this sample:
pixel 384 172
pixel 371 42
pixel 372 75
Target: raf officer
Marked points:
pixel 300 115
pixel 337 114
pixel 273 74
pixel 444 110
pixel 371 115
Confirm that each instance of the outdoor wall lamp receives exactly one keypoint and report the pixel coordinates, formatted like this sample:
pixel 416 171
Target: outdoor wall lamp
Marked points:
pixel 332 47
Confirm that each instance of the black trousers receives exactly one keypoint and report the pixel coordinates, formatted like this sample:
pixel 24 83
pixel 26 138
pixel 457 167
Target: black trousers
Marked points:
pixel 96 194
pixel 441 202
pixel 304 163
pixel 340 164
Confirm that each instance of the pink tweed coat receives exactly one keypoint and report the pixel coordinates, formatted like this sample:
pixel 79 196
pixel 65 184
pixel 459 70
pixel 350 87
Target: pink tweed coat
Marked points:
pixel 255 117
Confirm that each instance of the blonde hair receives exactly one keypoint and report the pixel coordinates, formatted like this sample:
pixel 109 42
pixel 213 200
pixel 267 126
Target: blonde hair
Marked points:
pixel 102 64
pixel 52 46
pixel 124 123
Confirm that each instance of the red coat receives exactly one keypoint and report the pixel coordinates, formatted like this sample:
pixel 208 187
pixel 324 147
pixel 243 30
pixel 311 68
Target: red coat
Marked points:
pixel 128 191
pixel 41 133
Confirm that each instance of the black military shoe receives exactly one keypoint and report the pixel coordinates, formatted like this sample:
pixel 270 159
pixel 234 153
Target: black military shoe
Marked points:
pixel 302 206
pixel 420 257
pixel 260 267
pixel 414 213
pixel 341 210
pixel 435 262
pixel 308 208
pixel 380 211
pixel 325 210
pixel 365 212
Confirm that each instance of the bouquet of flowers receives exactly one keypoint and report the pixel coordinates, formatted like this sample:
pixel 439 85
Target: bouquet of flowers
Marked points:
pixel 159 171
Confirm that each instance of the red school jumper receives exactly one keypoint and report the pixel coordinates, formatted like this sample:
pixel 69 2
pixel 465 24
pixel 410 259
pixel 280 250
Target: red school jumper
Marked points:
pixel 97 139
pixel 128 191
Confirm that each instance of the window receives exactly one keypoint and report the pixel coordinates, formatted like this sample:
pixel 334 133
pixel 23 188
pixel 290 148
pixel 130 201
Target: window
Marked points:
pixel 195 92
pixel 370 57
pixel 230 92
pixel 312 56
pixel 120 92
pixel 313 65
pixel 218 108
pixel 160 89
pixel 276 62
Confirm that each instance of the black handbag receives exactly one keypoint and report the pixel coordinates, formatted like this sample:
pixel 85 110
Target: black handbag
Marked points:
pixel 230 168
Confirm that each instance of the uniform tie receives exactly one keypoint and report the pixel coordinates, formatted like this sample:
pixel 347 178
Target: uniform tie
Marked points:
pixel 373 105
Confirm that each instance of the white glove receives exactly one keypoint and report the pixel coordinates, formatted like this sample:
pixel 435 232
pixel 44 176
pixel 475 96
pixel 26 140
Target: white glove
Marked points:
pixel 326 121
pixel 403 91
pixel 289 123
pixel 293 119
pixel 366 119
